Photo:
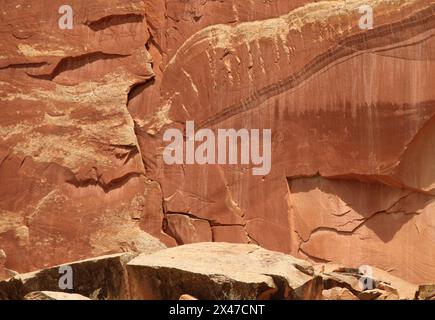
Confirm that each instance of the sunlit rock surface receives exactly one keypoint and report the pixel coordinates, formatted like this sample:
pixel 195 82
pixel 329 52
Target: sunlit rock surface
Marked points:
pixel 210 270
pixel 83 112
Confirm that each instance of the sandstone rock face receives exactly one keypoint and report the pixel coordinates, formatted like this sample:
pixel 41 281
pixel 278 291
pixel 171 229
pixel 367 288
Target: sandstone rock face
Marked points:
pixel 2 264
pixel 4 272
pixel 186 229
pixel 352 114
pixel 383 284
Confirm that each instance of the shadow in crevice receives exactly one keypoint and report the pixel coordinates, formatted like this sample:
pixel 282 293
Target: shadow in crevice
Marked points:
pixel 115 20
pixel 74 63
pixel 139 88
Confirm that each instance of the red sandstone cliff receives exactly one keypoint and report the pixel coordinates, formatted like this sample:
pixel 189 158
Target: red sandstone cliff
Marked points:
pixel 83 112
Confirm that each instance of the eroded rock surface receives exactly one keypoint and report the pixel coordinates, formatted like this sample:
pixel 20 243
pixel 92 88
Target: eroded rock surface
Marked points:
pixel 352 113
pixel 210 271
pixel 98 278
pixel 73 183
pixel 220 271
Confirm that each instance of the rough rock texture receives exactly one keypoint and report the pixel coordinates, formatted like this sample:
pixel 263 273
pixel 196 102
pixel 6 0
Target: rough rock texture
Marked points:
pixel 246 271
pixel 352 113
pixel 426 292
pixel 51 295
pixel 73 183
pixel 98 278
pixel 383 283
pixel 220 271
pixel 210 271
pixel 352 119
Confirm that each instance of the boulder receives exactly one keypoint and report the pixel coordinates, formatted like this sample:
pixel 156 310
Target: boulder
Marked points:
pixel 100 278
pixel 221 271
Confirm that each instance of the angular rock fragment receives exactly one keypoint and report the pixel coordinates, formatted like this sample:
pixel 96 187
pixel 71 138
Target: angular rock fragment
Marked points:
pixel 100 278
pixel 221 271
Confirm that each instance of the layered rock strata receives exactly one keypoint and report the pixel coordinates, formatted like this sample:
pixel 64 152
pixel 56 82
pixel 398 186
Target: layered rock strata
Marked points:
pixel 83 113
